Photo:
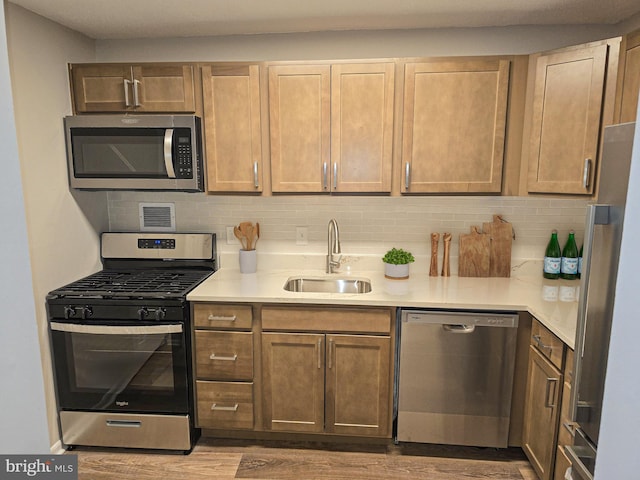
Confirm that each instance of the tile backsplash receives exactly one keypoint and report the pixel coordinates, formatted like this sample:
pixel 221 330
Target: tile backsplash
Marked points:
pixel 368 225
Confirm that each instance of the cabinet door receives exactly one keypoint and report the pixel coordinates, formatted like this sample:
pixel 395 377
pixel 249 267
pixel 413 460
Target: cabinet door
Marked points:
pixel 541 415
pixel 454 126
pixel 101 88
pixel 362 127
pixel 232 128
pixel 631 80
pixel 293 382
pixel 299 115
pixel 566 114
pixel 358 383
pixel 161 88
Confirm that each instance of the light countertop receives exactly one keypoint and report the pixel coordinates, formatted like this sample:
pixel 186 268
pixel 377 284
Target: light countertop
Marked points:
pixel 552 302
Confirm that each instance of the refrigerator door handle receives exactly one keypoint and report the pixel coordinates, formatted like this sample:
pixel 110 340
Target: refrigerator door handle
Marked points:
pixel 596 215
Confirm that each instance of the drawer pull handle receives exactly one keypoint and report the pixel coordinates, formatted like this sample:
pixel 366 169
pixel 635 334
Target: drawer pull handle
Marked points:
pixel 549 400
pixel 215 406
pixel 571 426
pixel 213 356
pixel 222 318
pixel 124 423
pixel 541 345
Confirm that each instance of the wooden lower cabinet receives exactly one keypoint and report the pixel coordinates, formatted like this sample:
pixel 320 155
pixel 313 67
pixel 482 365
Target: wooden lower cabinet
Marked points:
pixel 225 404
pixel 293 382
pixel 224 366
pixel 542 411
pixel 329 383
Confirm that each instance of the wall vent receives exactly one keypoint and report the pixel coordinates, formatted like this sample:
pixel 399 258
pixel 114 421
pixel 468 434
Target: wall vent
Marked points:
pixel 157 217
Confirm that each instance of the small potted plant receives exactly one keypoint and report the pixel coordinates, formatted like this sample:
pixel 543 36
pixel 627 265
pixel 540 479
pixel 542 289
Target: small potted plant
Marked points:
pixel 396 263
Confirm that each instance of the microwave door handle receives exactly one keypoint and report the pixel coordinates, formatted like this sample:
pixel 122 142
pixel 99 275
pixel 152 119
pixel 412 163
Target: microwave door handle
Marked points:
pixel 168 152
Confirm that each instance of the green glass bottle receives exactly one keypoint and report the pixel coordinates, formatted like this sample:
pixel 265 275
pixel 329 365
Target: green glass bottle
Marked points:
pixel 552 258
pixel 580 261
pixel 569 263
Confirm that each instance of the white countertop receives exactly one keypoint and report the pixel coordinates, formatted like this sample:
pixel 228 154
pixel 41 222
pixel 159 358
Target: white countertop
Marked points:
pixel 552 302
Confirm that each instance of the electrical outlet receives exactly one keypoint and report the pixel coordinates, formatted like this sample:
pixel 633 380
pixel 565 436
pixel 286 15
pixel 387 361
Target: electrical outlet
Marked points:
pixel 302 235
pixel 231 237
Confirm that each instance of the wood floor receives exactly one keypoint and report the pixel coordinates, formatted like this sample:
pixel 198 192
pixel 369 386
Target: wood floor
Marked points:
pixel 259 460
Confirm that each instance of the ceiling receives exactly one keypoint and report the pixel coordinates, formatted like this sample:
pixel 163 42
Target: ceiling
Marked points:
pixel 120 19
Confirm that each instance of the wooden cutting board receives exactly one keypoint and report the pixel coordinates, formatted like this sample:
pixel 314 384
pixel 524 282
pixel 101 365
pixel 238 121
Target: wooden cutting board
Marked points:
pixel 474 254
pixel 501 234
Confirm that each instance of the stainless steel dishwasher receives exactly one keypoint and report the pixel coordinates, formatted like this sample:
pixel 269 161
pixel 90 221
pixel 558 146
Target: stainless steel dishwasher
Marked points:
pixel 455 377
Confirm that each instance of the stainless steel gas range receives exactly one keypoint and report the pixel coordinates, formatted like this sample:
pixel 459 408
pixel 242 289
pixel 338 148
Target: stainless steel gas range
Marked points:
pixel 121 343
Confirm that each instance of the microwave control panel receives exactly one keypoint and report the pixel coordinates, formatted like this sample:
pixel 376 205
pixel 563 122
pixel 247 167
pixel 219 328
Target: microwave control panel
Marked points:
pixel 182 153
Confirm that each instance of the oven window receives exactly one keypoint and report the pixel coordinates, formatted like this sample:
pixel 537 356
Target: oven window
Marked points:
pixel 122 371
pixel 136 362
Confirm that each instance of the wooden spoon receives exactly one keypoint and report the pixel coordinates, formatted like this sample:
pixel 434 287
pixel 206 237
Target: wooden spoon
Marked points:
pixel 257 231
pixel 238 233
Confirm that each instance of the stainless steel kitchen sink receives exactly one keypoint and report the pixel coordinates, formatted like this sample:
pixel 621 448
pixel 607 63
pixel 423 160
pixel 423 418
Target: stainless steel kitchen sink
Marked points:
pixel 328 285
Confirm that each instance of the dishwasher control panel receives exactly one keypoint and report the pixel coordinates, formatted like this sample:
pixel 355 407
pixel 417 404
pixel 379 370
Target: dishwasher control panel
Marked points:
pixel 479 319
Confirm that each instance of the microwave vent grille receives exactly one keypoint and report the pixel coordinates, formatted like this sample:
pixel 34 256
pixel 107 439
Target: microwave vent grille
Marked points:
pixel 157 217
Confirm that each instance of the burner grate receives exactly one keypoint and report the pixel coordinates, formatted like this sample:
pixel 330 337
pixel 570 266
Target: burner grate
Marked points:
pixel 135 283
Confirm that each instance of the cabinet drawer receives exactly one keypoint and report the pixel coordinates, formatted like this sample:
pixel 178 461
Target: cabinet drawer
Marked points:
pixel 309 319
pixel 562 463
pixel 568 365
pixel 222 316
pixel 547 343
pixel 565 429
pixel 225 405
pixel 224 355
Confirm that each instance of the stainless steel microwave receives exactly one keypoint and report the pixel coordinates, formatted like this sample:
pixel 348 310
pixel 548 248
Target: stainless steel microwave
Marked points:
pixel 135 152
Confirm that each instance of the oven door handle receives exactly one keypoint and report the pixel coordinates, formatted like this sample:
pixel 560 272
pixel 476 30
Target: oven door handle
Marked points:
pixel 117 330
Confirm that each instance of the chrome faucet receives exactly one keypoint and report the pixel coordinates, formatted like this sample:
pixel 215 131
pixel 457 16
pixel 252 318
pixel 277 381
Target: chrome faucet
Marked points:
pixel 333 245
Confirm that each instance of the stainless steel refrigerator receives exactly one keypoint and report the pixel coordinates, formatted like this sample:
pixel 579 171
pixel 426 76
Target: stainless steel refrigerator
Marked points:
pixel 603 234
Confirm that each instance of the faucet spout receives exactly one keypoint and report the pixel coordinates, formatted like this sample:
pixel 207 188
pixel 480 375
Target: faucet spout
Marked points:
pixel 333 245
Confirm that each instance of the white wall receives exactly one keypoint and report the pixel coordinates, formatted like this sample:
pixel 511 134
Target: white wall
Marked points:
pixel 22 405
pixel 63 228
pixel 352 44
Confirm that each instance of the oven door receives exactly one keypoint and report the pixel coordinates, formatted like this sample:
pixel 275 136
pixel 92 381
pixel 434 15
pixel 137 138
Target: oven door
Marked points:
pixel 116 368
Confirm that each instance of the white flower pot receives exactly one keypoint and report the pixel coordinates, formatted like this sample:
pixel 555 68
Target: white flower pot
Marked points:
pixel 396 272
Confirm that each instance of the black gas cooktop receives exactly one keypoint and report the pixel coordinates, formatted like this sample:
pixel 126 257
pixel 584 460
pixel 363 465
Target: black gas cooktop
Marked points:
pixel 164 283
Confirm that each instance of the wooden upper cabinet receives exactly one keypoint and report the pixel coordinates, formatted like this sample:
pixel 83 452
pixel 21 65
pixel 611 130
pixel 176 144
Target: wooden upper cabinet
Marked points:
pixel 331 127
pixel 362 127
pixel 566 117
pixel 232 128
pixel 299 115
pixel 454 126
pixel 149 88
pixel 631 79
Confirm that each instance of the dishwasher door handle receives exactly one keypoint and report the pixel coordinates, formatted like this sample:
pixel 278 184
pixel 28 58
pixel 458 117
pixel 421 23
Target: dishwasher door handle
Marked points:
pixel 458 328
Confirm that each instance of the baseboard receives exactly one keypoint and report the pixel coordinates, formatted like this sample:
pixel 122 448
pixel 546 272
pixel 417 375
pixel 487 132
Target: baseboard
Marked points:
pixel 57 448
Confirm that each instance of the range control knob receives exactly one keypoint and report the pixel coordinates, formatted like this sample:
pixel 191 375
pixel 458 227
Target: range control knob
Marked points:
pixel 69 312
pixel 160 313
pixel 143 313
pixel 87 312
